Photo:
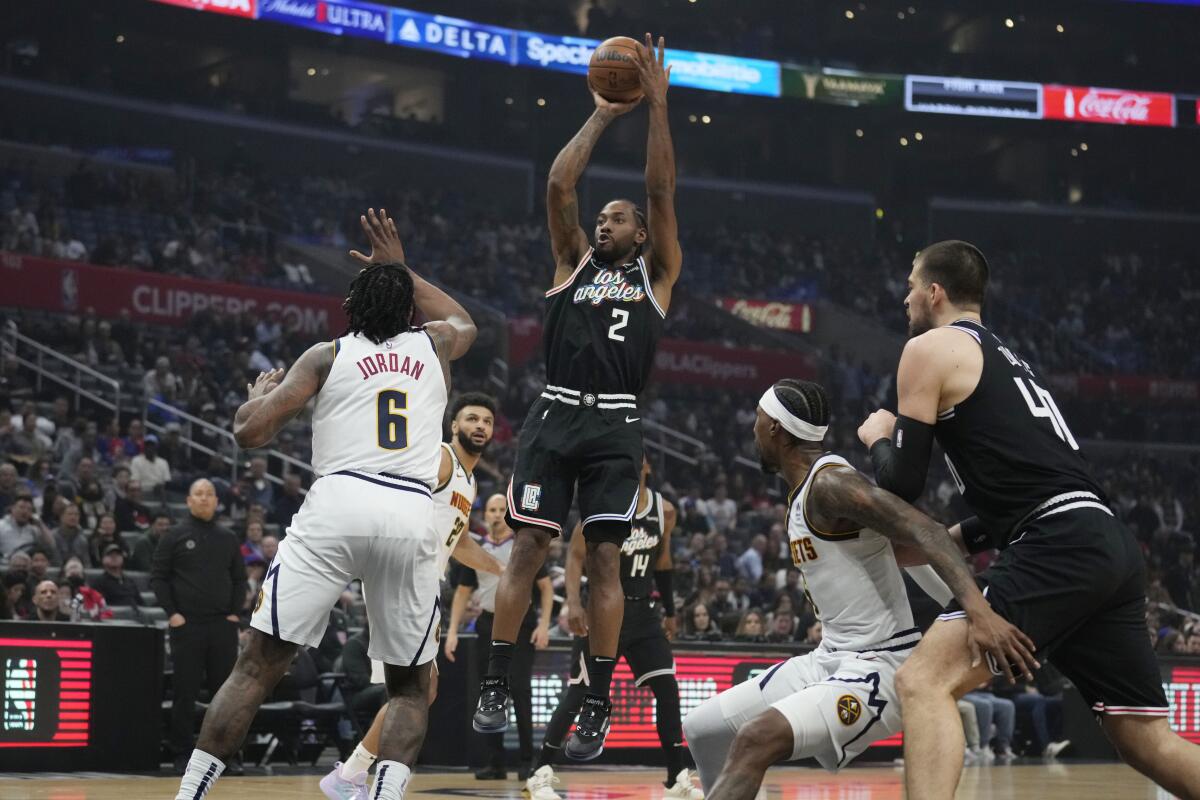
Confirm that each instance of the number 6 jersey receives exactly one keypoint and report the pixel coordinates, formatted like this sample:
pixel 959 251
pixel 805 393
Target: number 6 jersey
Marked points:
pixel 1007 445
pixel 380 410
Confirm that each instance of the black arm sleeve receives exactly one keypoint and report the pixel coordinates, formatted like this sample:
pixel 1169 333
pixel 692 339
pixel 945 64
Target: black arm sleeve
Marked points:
pixel 975 536
pixel 902 462
pixel 664 579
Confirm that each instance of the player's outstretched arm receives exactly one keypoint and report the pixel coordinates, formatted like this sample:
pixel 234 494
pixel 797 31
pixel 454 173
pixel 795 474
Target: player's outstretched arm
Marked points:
pixel 470 554
pixel 667 257
pixel 844 494
pixel 568 242
pixel 275 398
pixel 453 339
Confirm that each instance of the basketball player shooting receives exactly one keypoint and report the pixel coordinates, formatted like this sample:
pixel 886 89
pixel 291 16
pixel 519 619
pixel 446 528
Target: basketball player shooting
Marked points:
pixel 1069 574
pixel 604 316
pixel 848 539
pixel 380 394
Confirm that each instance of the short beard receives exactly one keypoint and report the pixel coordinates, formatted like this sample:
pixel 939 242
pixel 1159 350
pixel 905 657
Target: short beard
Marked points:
pixel 917 328
pixel 465 442
pixel 766 466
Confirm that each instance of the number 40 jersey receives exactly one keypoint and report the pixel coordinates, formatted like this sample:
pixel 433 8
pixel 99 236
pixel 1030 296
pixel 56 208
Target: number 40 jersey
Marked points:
pixel 380 410
pixel 1007 445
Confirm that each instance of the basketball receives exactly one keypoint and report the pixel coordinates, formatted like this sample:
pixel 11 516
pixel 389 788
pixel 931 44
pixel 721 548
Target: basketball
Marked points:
pixel 612 71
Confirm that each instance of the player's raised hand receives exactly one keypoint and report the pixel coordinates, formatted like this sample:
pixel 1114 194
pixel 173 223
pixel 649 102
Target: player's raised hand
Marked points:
pixel 386 247
pixel 652 71
pixel 265 382
pixel 616 109
pixel 877 426
pixel 1009 650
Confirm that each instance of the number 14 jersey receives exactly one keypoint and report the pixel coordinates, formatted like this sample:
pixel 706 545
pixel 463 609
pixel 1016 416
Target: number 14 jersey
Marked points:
pixel 380 410
pixel 1007 445
pixel 602 328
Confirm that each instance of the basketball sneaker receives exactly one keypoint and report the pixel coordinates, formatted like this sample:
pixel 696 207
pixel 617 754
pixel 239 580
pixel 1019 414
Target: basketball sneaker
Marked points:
pixel 684 787
pixel 540 785
pixel 587 741
pixel 491 715
pixel 336 787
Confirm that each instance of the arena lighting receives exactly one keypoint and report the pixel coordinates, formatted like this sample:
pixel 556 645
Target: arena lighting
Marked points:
pixel 912 10
pixel 1074 152
pixel 120 38
pixel 919 136
pixel 1059 27
pixel 706 119
pixel 899 15
pixel 311 71
pixel 904 141
pixel 1083 146
pixel 1008 23
pixel 541 101
pixel 858 132
pixel 692 117
pixel 849 14
pixel 508 101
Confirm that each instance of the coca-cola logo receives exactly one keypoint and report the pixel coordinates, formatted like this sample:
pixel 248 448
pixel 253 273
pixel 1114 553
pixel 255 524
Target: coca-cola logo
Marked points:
pixel 1124 107
pixel 769 313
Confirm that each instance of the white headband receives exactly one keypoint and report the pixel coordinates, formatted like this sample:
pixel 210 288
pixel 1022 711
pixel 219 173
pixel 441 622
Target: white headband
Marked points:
pixel 790 422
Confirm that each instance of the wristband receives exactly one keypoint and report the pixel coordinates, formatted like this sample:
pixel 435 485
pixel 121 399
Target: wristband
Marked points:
pixel 974 536
pixel 902 462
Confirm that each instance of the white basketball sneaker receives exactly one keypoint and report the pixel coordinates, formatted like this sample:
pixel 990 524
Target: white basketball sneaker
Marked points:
pixel 540 785
pixel 684 787
pixel 336 787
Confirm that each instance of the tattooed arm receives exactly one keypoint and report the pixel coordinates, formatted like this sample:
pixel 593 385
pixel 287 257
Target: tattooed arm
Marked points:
pixel 666 256
pixel 841 494
pixel 276 399
pixel 567 239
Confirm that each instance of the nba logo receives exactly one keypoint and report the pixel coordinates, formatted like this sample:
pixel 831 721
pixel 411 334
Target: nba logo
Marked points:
pixel 531 498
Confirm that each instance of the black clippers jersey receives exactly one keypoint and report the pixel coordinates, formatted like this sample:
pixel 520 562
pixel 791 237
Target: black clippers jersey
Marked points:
pixel 639 552
pixel 602 328
pixel 1007 445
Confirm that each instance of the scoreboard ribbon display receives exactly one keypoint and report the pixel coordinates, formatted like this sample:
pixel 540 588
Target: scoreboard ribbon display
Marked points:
pixel 47 693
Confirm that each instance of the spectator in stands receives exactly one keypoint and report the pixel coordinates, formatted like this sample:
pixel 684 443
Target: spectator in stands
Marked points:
pixel 172 449
pixel 1181 575
pixel 288 501
pixel 751 627
pixel 365 698
pixel 160 383
pixel 722 509
pixel 84 602
pixel 199 577
pixel 38 568
pixel 45 603
pixel 135 441
pixel 70 539
pixel 270 546
pixel 131 513
pixel 73 477
pixel 750 563
pixel 1042 701
pixel 117 588
pixel 120 483
pixel 17 596
pixel 252 543
pixel 21 530
pixel 91 503
pixel 262 492
pixel 143 551
pixel 148 469
pixel 700 626
pixel 783 627
pixel 812 633
pixel 992 710
pixel 104 534
pixel 27 441
pixel 9 485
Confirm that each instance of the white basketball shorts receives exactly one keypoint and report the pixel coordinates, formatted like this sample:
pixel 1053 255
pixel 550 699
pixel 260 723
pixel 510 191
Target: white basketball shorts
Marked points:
pixel 358 525
pixel 838 703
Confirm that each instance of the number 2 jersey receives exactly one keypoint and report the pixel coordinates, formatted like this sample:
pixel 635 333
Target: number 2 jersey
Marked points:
pixel 602 328
pixel 1007 446
pixel 380 410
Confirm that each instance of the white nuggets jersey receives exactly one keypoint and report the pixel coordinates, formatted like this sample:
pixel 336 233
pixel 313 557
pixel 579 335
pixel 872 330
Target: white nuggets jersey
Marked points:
pixel 381 408
pixel 452 508
pixel 851 578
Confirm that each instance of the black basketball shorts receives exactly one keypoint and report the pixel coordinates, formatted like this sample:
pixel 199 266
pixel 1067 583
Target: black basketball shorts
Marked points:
pixel 563 445
pixel 643 644
pixel 1074 581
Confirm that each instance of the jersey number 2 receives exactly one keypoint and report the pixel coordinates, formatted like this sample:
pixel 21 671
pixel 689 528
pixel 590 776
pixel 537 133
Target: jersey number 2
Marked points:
pixel 1041 404
pixel 393 424
pixel 622 319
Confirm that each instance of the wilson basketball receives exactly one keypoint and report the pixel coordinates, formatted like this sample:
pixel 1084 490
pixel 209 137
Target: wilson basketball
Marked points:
pixel 612 72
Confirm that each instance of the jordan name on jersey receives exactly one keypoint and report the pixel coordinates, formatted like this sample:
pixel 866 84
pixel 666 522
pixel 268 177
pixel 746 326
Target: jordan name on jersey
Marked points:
pixel 610 284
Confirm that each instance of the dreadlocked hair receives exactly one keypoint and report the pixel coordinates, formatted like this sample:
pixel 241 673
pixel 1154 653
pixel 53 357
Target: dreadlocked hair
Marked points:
pixel 380 303
pixel 805 399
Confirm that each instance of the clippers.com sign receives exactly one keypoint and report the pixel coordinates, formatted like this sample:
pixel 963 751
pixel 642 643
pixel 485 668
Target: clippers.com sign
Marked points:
pixel 1111 106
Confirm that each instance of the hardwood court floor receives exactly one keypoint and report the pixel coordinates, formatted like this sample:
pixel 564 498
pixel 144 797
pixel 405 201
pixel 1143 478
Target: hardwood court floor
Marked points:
pixel 1018 782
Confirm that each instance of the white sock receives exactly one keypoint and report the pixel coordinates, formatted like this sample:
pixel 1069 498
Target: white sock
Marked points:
pixel 391 779
pixel 202 772
pixel 359 761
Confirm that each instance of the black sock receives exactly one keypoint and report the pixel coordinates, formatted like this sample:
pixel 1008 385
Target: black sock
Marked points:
pixel 499 658
pixel 667 720
pixel 674 755
pixel 600 672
